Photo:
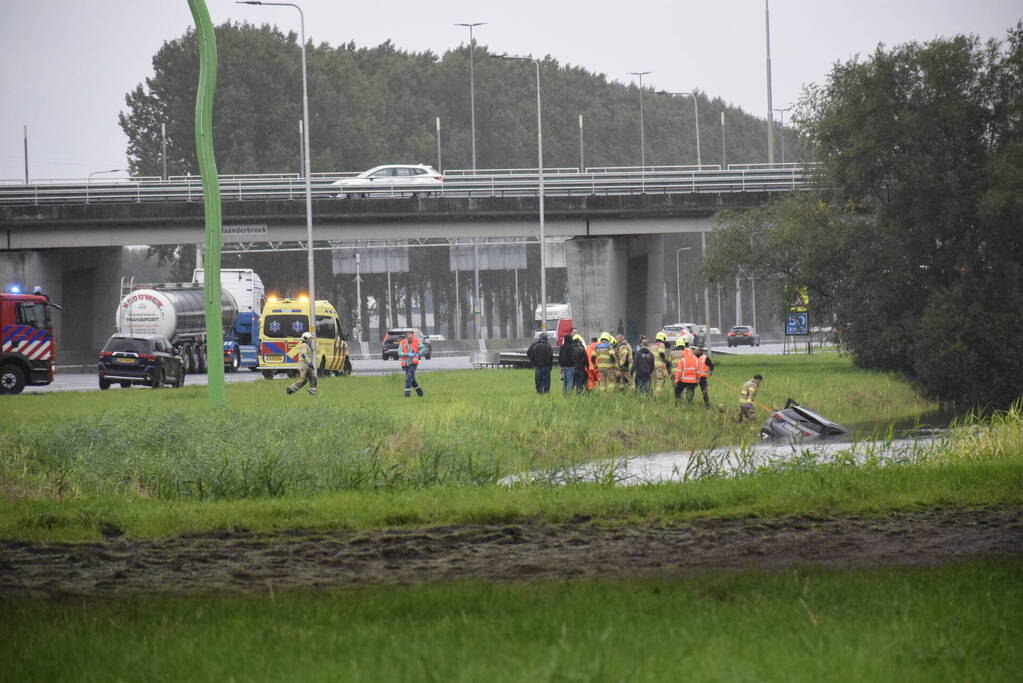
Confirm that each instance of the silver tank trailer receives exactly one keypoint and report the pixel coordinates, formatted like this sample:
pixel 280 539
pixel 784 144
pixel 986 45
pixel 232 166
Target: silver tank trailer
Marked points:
pixel 174 313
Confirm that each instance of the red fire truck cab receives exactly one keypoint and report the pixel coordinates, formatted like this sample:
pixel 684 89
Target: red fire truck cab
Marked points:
pixel 28 354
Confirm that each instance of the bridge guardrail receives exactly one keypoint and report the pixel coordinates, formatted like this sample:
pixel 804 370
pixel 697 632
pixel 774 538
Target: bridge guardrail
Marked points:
pixel 605 181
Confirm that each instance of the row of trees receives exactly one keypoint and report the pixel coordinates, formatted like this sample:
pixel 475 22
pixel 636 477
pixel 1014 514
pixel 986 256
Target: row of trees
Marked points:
pixel 378 105
pixel 912 245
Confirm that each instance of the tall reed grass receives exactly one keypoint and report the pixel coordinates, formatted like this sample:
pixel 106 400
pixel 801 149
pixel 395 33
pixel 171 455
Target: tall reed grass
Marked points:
pixel 473 429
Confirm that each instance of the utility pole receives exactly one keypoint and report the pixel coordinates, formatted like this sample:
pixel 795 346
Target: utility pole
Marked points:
pixel 770 108
pixel 582 164
pixel 163 153
pixel 26 155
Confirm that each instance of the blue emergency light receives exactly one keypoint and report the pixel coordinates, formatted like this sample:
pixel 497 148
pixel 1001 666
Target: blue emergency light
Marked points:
pixel 15 289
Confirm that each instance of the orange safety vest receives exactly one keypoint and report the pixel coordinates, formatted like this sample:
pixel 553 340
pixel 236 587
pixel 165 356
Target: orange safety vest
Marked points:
pixel 702 369
pixel 591 370
pixel 403 354
pixel 686 370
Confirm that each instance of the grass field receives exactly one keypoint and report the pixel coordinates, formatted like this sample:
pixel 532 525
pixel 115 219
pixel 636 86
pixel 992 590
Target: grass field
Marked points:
pixel 359 433
pixel 152 463
pixel 959 623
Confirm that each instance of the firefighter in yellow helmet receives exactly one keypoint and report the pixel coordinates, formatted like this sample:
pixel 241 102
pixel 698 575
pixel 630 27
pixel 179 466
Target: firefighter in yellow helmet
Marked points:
pixel 674 356
pixel 607 362
pixel 624 363
pixel 662 366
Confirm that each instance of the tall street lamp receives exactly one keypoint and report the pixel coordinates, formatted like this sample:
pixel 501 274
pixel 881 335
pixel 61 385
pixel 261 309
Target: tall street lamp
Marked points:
pixel 782 112
pixel 472 87
pixel 476 308
pixel 308 184
pixel 770 112
pixel 539 168
pixel 642 132
pixel 696 118
pixel 88 182
pixel 678 281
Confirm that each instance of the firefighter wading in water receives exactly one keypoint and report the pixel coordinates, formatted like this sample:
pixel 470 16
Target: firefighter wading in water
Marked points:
pixel 308 371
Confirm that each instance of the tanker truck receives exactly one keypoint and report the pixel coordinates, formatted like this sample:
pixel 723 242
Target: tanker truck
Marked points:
pixel 176 310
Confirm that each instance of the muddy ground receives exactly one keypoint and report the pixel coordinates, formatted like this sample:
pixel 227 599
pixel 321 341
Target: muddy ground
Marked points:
pixel 244 562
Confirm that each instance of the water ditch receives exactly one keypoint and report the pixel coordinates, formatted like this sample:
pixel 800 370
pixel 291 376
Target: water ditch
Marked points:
pixel 900 442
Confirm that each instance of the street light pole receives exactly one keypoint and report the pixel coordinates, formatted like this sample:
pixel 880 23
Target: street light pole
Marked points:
pixel 476 308
pixel 472 90
pixel 782 112
pixel 642 132
pixel 539 154
pixel 163 152
pixel 308 184
pixel 678 281
pixel 88 182
pixel 770 112
pixel 696 119
pixel 358 295
pixel 582 164
pixel 440 166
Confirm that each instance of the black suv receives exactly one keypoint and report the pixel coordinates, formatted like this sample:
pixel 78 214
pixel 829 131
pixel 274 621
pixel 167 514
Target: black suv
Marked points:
pixel 394 336
pixel 147 359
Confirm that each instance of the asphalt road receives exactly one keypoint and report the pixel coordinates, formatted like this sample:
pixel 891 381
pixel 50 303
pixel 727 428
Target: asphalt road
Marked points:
pixel 73 381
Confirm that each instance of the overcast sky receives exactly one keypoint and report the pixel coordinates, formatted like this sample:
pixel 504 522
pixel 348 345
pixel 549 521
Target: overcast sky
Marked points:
pixel 67 64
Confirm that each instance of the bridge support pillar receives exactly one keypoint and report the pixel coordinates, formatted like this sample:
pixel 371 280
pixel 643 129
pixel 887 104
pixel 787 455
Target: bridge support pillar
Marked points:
pixel 616 284
pixel 85 281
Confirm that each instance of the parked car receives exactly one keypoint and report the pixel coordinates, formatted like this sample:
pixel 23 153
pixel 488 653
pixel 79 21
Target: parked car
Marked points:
pixel 796 423
pixel 743 334
pixel 675 330
pixel 394 336
pixel 418 179
pixel 147 359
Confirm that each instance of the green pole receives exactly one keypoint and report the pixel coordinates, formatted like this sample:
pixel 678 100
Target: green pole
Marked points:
pixel 211 198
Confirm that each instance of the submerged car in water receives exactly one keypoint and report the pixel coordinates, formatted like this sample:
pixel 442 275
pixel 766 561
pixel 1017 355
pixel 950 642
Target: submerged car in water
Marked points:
pixel 797 423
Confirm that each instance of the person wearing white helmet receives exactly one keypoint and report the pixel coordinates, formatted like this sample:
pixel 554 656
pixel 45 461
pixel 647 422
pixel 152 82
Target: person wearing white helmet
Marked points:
pixel 307 371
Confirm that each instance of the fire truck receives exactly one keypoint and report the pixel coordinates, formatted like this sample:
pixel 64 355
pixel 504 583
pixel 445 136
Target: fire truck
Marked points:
pixel 28 354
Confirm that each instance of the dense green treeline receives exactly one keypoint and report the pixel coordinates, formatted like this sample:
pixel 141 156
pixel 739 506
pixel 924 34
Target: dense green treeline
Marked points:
pixel 911 246
pixel 373 105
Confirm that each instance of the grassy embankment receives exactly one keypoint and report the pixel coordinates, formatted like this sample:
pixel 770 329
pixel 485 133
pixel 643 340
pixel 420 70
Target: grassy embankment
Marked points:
pixel 959 622
pixel 152 463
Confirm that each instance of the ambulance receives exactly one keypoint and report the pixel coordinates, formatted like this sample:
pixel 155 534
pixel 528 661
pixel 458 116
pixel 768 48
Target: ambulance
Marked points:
pixel 283 323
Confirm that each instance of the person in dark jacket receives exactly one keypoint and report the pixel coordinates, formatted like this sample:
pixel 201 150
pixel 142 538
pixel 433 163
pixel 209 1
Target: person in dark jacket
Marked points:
pixel 582 364
pixel 541 356
pixel 566 361
pixel 643 364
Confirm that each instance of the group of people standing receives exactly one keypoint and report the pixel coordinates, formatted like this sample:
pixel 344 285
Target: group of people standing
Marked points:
pixel 609 363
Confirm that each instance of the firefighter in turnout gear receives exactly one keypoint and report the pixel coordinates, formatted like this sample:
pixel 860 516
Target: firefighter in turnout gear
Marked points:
pixel 606 361
pixel 747 396
pixel 624 363
pixel 307 373
pixel 662 366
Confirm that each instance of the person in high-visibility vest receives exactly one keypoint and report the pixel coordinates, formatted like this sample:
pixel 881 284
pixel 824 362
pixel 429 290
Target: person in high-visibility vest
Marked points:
pixel 704 368
pixel 686 378
pixel 591 370
pixel 747 396
pixel 662 366
pixel 408 352
pixel 674 355
pixel 607 362
pixel 624 352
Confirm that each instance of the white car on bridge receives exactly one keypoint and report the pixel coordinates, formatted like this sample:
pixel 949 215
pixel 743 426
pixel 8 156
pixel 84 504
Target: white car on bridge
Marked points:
pixel 417 179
